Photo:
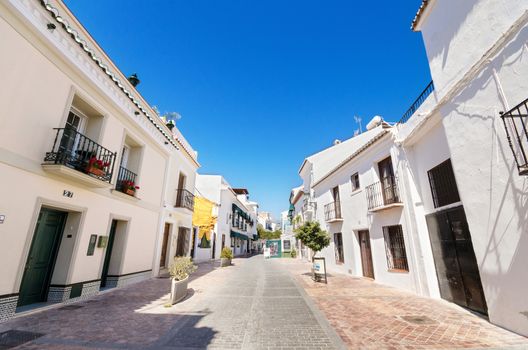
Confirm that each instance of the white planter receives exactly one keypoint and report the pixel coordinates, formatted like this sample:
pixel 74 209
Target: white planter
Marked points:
pixel 179 290
pixel 225 262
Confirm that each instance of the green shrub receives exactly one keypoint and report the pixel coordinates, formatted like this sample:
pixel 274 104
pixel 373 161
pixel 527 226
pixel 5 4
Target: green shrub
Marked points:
pixel 293 253
pixel 226 253
pixel 181 268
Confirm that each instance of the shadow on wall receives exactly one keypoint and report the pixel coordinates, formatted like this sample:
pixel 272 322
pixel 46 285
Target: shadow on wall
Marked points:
pixel 506 252
pixel 447 33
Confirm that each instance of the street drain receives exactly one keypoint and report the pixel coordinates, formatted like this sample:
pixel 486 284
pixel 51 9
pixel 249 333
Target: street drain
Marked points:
pixel 70 307
pixel 13 338
pixel 418 319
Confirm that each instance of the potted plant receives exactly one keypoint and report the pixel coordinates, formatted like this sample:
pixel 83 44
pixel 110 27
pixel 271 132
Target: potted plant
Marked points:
pixel 225 257
pixel 129 187
pixel 179 271
pixel 97 167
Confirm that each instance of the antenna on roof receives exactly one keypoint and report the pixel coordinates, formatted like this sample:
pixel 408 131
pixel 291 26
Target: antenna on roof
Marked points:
pixel 358 121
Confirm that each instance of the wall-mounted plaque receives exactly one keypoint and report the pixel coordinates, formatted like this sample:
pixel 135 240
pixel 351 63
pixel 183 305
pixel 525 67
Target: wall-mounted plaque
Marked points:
pixel 91 245
pixel 103 242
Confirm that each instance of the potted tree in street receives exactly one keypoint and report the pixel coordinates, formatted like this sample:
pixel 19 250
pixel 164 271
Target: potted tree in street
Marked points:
pixel 225 257
pixel 180 270
pixel 312 236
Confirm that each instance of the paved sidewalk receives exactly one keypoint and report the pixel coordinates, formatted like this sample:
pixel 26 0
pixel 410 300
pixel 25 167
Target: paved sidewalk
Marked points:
pixel 253 305
pixel 368 315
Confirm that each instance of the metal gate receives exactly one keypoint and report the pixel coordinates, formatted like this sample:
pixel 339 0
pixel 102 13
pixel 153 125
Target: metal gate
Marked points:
pixel 455 261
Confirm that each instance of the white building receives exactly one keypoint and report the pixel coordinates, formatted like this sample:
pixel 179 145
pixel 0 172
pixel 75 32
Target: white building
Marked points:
pixel 478 59
pixel 266 220
pixel 446 216
pixel 236 224
pixel 76 137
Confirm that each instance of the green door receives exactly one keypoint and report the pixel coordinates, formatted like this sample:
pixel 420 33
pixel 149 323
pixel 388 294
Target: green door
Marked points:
pixel 108 254
pixel 42 256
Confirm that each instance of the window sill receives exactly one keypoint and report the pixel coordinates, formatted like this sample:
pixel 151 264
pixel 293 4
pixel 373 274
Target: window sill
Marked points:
pixel 125 196
pixel 397 271
pixel 355 192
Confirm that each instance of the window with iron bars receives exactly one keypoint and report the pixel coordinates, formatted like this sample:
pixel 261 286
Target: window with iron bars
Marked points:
pixel 395 248
pixel 443 185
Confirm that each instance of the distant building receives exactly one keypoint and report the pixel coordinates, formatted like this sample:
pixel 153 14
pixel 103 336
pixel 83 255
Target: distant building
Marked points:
pixel 236 218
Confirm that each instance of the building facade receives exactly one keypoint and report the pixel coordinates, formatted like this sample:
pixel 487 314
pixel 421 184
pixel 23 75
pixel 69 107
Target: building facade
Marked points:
pixel 236 223
pixel 436 203
pixel 88 167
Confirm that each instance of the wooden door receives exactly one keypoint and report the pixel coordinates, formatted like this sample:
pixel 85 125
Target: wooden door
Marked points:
pixel 181 187
pixel 386 174
pixel 163 257
pixel 337 202
pixel 366 254
pixel 108 253
pixel 42 257
pixel 456 265
pixel 182 247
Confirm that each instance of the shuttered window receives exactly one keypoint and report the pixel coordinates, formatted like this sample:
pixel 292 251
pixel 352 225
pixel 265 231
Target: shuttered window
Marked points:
pixel 443 184
pixel 395 248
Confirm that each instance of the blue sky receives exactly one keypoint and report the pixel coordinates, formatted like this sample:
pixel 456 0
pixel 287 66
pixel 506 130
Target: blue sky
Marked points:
pixel 261 85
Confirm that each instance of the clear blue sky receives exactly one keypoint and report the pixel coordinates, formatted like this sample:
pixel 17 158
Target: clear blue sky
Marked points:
pixel 263 84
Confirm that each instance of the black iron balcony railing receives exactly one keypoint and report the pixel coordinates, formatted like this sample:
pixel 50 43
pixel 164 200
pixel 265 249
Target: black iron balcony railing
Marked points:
pixel 417 103
pixel 515 124
pixel 383 193
pixel 78 152
pixel 126 181
pixel 332 211
pixel 184 199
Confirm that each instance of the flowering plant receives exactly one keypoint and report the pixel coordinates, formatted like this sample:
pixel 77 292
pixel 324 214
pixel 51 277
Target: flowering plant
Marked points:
pixel 130 185
pixel 97 163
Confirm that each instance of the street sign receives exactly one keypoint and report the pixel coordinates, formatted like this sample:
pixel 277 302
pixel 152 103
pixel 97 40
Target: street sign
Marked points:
pixel 319 269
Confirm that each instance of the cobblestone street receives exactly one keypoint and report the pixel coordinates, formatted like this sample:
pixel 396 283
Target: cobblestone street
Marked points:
pixel 254 304
pixel 368 315
pixel 258 304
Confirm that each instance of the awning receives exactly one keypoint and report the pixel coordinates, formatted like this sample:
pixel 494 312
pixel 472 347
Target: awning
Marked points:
pixel 239 235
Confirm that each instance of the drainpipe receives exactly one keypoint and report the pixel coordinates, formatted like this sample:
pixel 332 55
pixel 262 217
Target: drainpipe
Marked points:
pixel 420 274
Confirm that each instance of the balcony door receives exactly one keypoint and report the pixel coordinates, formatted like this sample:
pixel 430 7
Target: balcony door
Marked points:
pixel 337 202
pixel 386 174
pixel 75 125
pixel 181 186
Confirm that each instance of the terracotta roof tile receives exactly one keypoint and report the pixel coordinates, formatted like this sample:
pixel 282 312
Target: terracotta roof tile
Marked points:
pixel 419 13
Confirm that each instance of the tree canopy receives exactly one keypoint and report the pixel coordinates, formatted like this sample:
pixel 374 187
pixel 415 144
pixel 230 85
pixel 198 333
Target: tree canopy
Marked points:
pixel 265 234
pixel 312 236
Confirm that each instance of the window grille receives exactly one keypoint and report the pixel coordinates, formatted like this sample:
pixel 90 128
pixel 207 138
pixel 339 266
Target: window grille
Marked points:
pixel 443 184
pixel 338 242
pixel 395 248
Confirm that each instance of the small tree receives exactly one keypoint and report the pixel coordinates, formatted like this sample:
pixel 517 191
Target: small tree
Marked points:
pixel 312 236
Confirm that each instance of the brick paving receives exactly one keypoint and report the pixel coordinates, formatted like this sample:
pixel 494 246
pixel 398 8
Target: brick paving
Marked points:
pixel 368 315
pixel 253 305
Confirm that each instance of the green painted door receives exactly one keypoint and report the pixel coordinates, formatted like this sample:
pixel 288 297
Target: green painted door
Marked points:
pixel 108 254
pixel 42 256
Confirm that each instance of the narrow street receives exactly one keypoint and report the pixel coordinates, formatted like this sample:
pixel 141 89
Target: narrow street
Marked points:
pixel 254 304
pixel 259 304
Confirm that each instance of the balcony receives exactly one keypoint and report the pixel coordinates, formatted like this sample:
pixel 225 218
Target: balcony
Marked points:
pixel 384 194
pixel 126 181
pixel 417 103
pixel 332 212
pixel 516 132
pixel 76 156
pixel 184 199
